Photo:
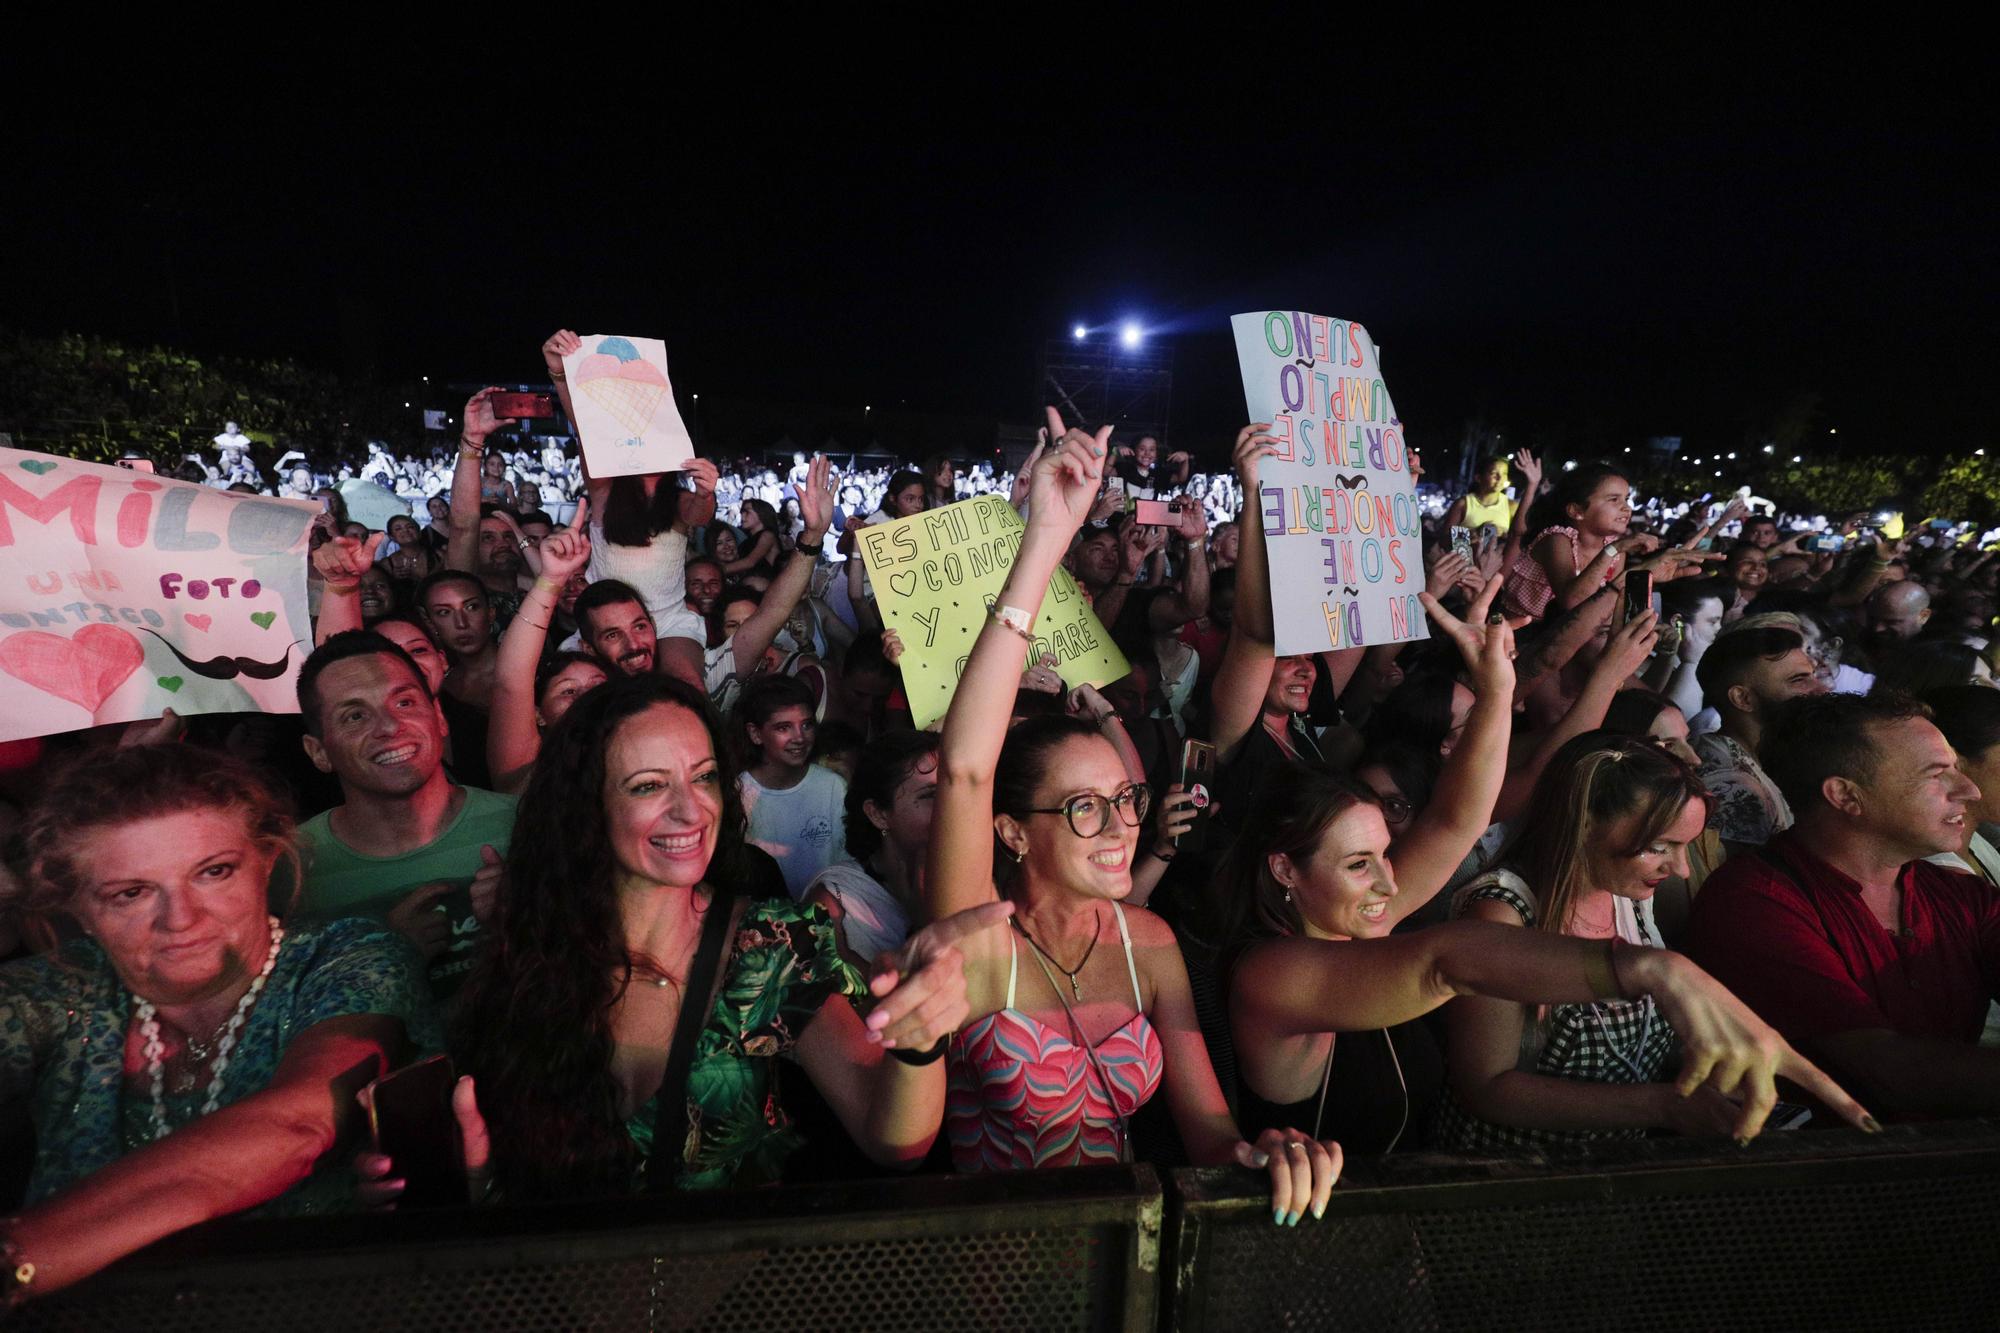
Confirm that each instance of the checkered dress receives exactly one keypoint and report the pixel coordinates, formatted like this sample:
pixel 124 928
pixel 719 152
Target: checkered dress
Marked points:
pixel 1614 1041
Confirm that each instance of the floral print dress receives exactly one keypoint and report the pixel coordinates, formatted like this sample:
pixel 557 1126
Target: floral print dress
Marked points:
pixel 783 965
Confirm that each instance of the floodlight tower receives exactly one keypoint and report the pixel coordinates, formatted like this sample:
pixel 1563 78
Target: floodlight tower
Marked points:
pixel 1113 374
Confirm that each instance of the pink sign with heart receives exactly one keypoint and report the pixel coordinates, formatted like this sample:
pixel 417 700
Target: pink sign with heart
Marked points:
pixel 85 670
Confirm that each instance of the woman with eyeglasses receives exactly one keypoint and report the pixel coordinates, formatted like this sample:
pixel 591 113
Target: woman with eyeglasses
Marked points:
pixel 1081 1011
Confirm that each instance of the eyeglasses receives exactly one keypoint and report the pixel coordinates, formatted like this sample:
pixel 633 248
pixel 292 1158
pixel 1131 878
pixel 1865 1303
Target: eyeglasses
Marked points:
pixel 1090 814
pixel 1395 810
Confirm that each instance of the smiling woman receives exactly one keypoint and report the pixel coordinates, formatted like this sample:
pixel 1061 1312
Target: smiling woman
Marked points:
pixel 186 1027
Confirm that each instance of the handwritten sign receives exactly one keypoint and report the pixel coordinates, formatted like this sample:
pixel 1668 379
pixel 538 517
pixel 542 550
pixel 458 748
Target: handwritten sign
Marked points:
pixel 625 413
pixel 123 593
pixel 1337 504
pixel 936 573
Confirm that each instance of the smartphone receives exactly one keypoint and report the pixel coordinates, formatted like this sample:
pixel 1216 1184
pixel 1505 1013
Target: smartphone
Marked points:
pixel 1936 524
pixel 1638 595
pixel 1154 513
pixel 137 464
pixel 410 1119
pixel 1197 777
pixel 523 404
pixel 1461 543
pixel 1825 541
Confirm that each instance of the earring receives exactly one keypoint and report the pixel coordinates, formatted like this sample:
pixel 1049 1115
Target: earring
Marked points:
pixel 1020 857
pixel 1288 894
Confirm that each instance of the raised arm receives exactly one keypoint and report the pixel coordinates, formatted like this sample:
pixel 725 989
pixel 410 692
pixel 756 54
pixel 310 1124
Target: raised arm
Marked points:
pixel 1462 806
pixel 960 863
pixel 754 635
pixel 461 550
pixel 341 561
pixel 512 739
pixel 1190 601
pixel 696 509
pixel 1626 653
pixel 1237 696
pixel 1530 470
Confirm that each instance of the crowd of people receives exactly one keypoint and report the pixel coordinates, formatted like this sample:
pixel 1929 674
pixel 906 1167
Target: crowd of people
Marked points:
pixel 1678 822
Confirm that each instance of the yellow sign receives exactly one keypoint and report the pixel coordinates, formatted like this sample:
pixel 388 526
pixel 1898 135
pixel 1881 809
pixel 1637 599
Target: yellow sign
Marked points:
pixel 936 574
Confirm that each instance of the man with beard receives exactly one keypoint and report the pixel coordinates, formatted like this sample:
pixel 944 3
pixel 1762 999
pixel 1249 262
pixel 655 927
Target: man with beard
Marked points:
pixel 1748 671
pixel 459 610
pixel 796 808
pixel 406 844
pixel 704 585
pixel 612 621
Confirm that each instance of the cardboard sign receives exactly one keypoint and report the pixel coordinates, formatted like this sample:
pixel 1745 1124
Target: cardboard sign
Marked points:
pixel 1337 504
pixel 122 594
pixel 625 413
pixel 936 574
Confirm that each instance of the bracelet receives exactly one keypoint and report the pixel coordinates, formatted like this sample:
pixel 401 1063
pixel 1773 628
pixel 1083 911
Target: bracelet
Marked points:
pixel 921 1058
pixel 1154 852
pixel 1012 619
pixel 558 376
pixel 524 543
pixel 328 585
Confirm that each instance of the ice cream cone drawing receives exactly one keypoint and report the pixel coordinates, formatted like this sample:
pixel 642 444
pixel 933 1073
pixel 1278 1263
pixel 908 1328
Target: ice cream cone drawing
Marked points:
pixel 623 384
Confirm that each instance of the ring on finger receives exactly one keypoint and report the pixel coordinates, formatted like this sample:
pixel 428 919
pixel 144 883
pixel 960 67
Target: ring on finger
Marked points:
pixel 1298 1145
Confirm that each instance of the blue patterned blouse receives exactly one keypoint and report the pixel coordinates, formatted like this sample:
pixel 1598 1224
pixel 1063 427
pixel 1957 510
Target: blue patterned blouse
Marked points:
pixel 63 1025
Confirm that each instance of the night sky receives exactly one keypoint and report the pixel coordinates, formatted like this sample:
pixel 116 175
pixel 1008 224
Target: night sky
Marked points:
pixel 1586 238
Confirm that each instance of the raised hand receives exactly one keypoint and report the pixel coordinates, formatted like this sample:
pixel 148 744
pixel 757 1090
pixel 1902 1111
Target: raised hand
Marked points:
pixel 1484 638
pixel 1018 494
pixel 1043 677
pixel 480 420
pixel 703 473
pixel 816 502
pixel 1137 542
pixel 565 552
pixel 341 561
pixel 1085 702
pixel 1530 470
pixel 561 343
pixel 1176 815
pixel 1066 478
pixel 1445 573
pixel 1253 445
pixel 1632 645
pixel 921 987
pixel 1191 521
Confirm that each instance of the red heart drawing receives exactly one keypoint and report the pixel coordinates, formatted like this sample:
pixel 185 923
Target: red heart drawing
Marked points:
pixel 198 621
pixel 84 670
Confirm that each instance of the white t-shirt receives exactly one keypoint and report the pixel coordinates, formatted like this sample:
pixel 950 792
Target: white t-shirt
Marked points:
pixel 803 827
pixel 871 918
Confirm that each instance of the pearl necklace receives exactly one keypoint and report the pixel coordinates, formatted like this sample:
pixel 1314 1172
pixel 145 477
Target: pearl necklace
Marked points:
pixel 149 1030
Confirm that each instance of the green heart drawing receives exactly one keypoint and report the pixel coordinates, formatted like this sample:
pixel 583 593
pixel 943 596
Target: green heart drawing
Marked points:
pixel 38 466
pixel 172 684
pixel 263 619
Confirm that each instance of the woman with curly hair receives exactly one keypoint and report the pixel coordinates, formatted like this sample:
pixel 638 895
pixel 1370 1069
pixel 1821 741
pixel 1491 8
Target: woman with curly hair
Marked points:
pixel 619 910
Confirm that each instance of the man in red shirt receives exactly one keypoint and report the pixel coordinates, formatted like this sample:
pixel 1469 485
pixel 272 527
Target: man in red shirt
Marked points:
pixel 1875 964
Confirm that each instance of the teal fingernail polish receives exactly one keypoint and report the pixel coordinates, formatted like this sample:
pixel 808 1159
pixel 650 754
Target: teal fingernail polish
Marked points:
pixel 1293 1220
pixel 1278 1216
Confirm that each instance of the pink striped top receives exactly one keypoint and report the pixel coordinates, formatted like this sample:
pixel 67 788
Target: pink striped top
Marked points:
pixel 1023 1095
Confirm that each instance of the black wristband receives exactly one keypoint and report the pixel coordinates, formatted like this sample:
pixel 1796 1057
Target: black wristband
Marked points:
pixel 929 1057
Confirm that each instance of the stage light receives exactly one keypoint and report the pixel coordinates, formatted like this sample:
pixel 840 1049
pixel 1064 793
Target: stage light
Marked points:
pixel 1796 458
pixel 1079 333
pixel 1130 334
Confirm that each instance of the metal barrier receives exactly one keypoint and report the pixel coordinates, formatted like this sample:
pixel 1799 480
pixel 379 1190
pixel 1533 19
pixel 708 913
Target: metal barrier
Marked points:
pixel 1820 1230
pixel 1052 1250
pixel 1811 1230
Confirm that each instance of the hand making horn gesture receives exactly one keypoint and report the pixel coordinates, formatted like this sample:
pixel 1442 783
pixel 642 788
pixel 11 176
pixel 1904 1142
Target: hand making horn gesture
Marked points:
pixel 1066 476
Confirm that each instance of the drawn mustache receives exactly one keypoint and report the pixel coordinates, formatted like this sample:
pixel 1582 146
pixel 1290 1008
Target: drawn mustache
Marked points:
pixel 227 667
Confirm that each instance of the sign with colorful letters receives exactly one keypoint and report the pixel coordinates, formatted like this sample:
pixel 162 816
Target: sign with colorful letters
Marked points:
pixel 1337 503
pixel 123 594
pixel 936 573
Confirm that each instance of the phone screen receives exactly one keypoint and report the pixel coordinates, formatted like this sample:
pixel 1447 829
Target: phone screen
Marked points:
pixel 1153 513
pixel 1638 594
pixel 520 405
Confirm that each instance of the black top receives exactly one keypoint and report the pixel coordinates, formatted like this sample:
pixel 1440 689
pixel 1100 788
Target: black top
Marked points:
pixel 1365 1100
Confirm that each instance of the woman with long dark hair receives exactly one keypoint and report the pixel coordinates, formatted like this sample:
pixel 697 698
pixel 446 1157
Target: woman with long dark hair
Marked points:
pixel 757 551
pixel 1572 541
pixel 1083 1011
pixel 619 905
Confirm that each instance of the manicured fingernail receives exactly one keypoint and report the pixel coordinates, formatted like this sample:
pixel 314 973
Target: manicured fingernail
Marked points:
pixel 1870 1125
pixel 1496 619
pixel 1293 1219
pixel 1261 1159
pixel 1742 1140
pixel 1278 1216
pixel 1319 1211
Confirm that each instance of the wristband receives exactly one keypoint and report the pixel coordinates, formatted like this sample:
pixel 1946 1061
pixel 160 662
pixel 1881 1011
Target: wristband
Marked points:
pixel 557 376
pixel 1012 619
pixel 921 1058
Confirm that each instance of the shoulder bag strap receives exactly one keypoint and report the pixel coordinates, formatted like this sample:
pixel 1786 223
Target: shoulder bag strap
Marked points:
pixel 670 1123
